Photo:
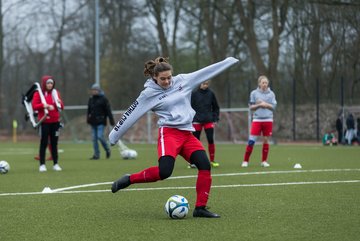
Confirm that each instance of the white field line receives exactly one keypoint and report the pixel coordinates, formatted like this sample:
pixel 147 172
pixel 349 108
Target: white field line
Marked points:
pixel 217 175
pixel 192 187
pixel 47 190
pixel 269 172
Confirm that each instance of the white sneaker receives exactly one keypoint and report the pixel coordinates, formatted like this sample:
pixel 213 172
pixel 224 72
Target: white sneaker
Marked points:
pixel 265 164
pixel 42 168
pixel 57 168
pixel 245 164
pixel 191 166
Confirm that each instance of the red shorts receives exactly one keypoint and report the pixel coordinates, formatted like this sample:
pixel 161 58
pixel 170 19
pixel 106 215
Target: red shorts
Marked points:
pixel 173 142
pixel 261 127
pixel 199 126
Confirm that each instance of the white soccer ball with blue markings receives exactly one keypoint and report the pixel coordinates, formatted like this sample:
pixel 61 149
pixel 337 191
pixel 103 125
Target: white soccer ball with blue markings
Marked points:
pixel 177 207
pixel 4 167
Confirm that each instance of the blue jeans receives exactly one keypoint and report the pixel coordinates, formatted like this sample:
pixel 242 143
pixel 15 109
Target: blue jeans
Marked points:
pixel 97 134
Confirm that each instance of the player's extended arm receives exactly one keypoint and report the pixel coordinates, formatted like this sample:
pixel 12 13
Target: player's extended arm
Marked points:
pixel 206 73
pixel 136 110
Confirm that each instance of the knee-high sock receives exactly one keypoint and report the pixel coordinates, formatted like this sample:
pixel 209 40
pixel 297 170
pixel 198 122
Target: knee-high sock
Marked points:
pixel 211 149
pixel 150 174
pixel 203 185
pixel 265 151
pixel 248 152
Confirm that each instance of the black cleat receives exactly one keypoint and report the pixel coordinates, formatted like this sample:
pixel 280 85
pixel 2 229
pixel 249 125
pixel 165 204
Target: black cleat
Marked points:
pixel 94 158
pixel 203 212
pixel 121 183
pixel 108 154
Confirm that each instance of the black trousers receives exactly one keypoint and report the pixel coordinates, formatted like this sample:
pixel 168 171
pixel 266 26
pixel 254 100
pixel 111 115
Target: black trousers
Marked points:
pixel 49 131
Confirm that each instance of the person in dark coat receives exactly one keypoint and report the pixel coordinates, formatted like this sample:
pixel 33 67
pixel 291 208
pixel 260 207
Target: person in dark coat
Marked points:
pixel 350 129
pixel 339 127
pixel 97 113
pixel 205 104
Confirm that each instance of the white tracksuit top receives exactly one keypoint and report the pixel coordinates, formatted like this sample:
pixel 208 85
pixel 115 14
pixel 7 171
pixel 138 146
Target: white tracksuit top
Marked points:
pixel 171 105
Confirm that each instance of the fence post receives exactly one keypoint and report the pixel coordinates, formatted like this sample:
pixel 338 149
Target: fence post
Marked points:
pixel 317 110
pixel 294 109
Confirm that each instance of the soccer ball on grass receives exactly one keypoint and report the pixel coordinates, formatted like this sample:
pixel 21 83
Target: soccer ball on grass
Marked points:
pixel 129 154
pixel 177 207
pixel 4 167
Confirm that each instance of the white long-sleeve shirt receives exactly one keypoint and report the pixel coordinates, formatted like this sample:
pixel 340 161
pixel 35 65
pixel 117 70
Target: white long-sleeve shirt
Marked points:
pixel 171 105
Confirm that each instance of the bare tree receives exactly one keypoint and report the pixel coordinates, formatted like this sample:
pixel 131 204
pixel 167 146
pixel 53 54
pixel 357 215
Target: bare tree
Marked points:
pixel 278 18
pixel 302 40
pixel 167 16
pixel 64 23
pixel 157 9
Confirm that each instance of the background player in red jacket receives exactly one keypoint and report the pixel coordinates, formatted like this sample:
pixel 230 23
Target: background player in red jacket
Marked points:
pixel 49 100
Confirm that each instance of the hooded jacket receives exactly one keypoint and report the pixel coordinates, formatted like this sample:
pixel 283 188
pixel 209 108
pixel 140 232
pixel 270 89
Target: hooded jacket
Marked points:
pixel 171 105
pixel 52 97
pixel 99 109
pixel 263 114
pixel 206 106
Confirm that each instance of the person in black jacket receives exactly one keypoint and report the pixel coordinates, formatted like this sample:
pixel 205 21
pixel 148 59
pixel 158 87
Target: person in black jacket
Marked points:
pixel 97 113
pixel 350 134
pixel 339 127
pixel 204 102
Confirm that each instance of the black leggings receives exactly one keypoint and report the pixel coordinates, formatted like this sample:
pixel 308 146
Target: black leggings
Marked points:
pixel 209 135
pixel 167 163
pixel 49 131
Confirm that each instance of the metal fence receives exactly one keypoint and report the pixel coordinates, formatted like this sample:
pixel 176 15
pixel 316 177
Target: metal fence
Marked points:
pixel 302 123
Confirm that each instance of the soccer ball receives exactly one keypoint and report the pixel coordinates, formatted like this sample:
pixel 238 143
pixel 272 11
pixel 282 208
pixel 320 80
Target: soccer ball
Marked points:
pixel 177 207
pixel 4 167
pixel 128 154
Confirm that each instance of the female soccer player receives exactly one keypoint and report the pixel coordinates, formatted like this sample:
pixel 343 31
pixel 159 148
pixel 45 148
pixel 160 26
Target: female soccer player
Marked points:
pixel 170 98
pixel 205 104
pixel 262 103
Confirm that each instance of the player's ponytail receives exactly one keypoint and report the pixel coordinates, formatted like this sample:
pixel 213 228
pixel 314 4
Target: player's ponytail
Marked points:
pixel 154 67
pixel 149 68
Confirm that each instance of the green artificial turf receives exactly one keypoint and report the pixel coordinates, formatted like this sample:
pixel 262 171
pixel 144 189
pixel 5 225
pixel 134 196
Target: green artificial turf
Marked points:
pixel 318 202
